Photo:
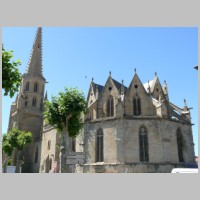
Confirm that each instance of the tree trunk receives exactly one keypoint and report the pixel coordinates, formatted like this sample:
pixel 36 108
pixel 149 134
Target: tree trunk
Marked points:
pixel 19 161
pixel 64 145
pixel 5 164
pixel 63 166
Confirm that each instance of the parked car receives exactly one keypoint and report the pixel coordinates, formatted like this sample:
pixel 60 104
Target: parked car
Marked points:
pixel 184 170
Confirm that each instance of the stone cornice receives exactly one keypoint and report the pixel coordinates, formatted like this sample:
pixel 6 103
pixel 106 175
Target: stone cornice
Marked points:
pixel 130 117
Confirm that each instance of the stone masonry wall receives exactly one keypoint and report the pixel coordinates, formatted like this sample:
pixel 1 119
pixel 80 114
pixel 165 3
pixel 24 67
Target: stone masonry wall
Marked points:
pixel 121 143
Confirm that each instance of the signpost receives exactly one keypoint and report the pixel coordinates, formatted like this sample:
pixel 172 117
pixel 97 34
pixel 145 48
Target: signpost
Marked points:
pixel 74 158
pixel 75 161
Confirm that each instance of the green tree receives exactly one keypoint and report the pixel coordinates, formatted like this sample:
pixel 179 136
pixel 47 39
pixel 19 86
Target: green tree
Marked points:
pixel 11 78
pixel 69 104
pixel 65 111
pixel 15 139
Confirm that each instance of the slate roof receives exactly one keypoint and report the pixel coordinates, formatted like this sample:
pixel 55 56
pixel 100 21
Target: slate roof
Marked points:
pixel 119 85
pixel 146 85
pixel 100 88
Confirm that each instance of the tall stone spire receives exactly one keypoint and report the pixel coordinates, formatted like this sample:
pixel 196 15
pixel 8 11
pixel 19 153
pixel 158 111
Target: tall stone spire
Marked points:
pixel 35 62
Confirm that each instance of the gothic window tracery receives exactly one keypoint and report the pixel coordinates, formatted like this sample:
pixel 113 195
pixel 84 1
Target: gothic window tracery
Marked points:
pixel 27 86
pixel 136 106
pixel 180 145
pixel 36 87
pixel 110 106
pixel 99 146
pixel 143 145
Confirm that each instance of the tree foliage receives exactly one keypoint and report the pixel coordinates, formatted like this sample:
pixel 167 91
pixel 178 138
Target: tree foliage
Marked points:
pixel 15 138
pixel 11 78
pixel 69 104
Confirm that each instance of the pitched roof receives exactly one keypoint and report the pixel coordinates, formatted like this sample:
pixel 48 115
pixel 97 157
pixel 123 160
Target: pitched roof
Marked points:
pixel 118 85
pixel 94 85
pixel 151 84
pixel 100 87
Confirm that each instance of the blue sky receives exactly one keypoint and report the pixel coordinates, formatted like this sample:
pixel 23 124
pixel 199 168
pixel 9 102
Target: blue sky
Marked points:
pixel 72 56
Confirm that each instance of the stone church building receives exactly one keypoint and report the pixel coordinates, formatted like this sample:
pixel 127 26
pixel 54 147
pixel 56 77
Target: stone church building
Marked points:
pixel 27 111
pixel 134 129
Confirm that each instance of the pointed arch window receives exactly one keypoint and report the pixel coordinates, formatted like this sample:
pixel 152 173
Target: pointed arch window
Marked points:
pixel 36 154
pixel 136 106
pixel 99 146
pixel 27 86
pixel 36 87
pixel 143 145
pixel 110 106
pixel 26 101
pixel 180 145
pixel 34 101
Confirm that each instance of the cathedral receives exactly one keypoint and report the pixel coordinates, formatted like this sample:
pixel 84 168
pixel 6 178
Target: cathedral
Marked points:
pixel 27 111
pixel 128 129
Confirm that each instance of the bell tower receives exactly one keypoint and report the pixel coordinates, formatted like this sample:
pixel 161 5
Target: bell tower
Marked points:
pixel 27 111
